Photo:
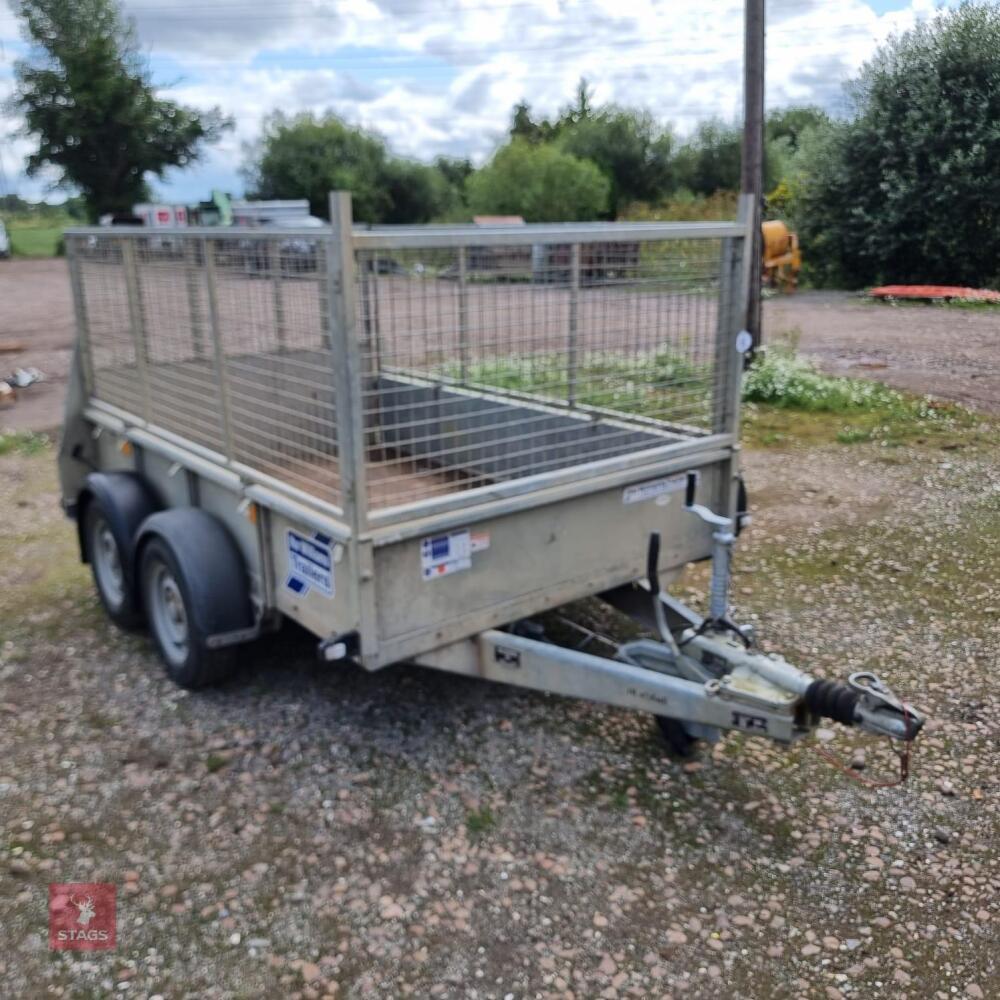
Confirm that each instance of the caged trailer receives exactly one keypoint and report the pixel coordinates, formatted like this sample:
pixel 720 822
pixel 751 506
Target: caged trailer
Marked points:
pixel 411 457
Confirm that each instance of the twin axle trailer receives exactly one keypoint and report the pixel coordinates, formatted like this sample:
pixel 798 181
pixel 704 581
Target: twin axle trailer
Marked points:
pixel 411 457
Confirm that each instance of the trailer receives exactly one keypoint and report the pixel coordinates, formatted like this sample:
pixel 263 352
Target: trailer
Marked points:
pixel 415 465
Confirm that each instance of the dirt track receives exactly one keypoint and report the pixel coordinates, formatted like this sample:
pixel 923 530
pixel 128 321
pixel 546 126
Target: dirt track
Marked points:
pixel 941 351
pixel 946 352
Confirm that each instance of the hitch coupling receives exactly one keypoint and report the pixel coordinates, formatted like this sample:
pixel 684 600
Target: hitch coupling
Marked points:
pixel 864 701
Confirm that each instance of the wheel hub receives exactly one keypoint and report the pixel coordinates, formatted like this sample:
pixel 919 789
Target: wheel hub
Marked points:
pixel 169 614
pixel 107 563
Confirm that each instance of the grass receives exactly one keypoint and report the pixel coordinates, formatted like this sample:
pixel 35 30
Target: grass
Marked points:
pixel 23 443
pixel 37 234
pixel 45 592
pixel 631 385
pixel 214 762
pixel 780 378
pixel 970 305
pixel 480 821
pixel 686 207
pixel 786 398
pixel 35 241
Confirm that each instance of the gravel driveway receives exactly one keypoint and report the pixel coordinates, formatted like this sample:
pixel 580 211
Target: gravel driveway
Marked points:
pixel 311 831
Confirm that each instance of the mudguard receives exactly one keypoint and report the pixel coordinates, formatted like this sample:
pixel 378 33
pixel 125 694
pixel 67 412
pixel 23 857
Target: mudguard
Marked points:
pixel 127 500
pixel 211 564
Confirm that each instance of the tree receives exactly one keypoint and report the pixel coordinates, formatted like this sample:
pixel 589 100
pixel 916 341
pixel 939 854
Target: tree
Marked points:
pixel 86 94
pixel 539 182
pixel 308 156
pixel 710 160
pixel 523 126
pixel 582 107
pixel 907 189
pixel 631 150
pixel 792 123
pixel 455 170
pixel 417 192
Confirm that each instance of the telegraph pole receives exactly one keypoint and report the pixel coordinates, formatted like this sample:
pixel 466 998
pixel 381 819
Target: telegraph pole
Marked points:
pixel 752 173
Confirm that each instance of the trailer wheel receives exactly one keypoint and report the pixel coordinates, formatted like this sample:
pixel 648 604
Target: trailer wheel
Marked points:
pixel 194 586
pixel 112 506
pixel 171 615
pixel 109 567
pixel 679 741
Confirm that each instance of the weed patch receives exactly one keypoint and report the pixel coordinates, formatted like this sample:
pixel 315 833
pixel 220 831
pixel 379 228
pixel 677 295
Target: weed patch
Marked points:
pixel 647 384
pixel 23 443
pixel 789 400
pixel 480 821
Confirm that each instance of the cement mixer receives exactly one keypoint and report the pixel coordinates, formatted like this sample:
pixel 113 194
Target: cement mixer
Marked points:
pixel 781 259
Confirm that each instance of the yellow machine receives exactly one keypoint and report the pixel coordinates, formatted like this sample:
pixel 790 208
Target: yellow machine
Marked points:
pixel 781 259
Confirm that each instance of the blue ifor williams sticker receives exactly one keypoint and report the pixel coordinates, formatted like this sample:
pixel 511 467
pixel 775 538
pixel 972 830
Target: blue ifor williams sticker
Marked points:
pixel 310 564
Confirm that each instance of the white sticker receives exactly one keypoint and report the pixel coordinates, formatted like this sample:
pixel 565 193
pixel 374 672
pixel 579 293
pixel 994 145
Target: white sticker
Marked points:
pixel 656 489
pixel 744 341
pixel 479 541
pixel 445 554
pixel 310 564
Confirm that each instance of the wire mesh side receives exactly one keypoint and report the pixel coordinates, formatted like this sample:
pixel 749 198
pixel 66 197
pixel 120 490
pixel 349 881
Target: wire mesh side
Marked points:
pixel 484 364
pixel 113 362
pixel 271 312
pixel 221 340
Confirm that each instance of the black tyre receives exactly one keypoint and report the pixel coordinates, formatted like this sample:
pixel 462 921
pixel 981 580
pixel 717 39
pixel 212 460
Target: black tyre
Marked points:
pixel 110 567
pixel 679 741
pixel 173 621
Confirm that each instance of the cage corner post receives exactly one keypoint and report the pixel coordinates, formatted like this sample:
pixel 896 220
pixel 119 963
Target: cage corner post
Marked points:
pixel 80 319
pixel 349 377
pixel 729 360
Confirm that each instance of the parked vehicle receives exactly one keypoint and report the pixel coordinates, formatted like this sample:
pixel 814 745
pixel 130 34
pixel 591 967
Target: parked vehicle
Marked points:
pixel 273 212
pixel 4 241
pixel 294 254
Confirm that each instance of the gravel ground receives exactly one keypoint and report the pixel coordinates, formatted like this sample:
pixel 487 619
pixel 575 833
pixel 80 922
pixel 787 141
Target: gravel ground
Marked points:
pixel 312 832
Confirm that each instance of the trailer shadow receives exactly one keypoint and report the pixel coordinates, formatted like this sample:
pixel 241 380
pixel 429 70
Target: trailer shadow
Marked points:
pixel 495 741
pixel 400 708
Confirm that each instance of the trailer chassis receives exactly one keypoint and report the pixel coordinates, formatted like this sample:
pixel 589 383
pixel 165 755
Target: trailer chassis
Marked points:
pixel 704 673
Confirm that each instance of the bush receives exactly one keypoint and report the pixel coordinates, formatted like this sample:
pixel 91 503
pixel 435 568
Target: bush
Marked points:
pixel 908 188
pixel 685 206
pixel 781 379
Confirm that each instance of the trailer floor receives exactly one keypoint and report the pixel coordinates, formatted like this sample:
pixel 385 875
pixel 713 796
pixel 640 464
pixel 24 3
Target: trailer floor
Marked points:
pixel 307 831
pixel 389 480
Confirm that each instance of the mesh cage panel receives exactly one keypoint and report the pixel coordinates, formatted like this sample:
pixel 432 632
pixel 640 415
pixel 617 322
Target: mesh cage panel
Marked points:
pixel 221 340
pixel 482 361
pixel 484 364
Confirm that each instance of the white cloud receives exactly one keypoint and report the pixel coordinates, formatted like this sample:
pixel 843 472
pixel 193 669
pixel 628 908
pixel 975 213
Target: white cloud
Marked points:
pixel 441 78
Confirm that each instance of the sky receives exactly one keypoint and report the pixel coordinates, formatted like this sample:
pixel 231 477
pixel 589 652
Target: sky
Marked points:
pixel 440 76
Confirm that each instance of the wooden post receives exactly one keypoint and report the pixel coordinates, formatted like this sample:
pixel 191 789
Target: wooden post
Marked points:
pixel 752 173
